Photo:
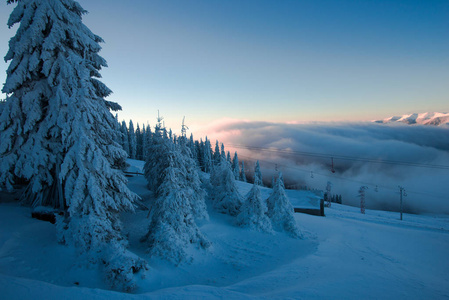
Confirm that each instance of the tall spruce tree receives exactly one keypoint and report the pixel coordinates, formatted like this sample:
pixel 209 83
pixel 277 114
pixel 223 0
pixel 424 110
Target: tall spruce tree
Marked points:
pixel 57 131
pixel 223 152
pixel 236 167
pixel 132 140
pixel 171 174
pixel 125 138
pixel 207 156
pixel 242 173
pixel 139 141
pixel 148 139
pixel 257 174
pixel 194 191
pixel 217 154
pixel 144 143
pixel 154 164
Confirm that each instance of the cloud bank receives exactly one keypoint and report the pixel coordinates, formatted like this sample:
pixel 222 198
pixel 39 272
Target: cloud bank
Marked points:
pixel 379 156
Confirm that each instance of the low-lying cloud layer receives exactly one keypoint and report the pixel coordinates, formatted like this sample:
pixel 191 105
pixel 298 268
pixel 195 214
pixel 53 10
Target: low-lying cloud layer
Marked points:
pixel 365 154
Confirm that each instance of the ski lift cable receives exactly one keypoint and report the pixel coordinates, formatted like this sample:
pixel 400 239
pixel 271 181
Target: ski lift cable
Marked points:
pixel 341 157
pixel 333 176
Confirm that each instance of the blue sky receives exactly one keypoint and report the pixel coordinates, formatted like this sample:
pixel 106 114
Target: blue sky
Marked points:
pixel 280 61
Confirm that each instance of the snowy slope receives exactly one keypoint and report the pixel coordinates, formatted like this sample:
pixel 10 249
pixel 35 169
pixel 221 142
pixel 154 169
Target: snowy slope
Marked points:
pixel 436 119
pixel 345 255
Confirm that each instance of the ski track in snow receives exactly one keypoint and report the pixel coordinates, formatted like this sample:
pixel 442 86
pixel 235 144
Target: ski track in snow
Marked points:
pixel 345 255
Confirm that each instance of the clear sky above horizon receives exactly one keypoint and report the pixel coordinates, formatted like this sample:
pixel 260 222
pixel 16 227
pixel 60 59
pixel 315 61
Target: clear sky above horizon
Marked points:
pixel 281 61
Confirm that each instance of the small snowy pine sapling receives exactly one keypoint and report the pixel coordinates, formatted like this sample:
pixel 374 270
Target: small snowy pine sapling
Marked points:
pixel 281 211
pixel 257 174
pixel 225 195
pixel 253 211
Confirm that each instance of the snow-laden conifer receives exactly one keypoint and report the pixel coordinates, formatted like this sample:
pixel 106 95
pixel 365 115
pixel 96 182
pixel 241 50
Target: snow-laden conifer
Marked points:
pixel 172 229
pixel 139 141
pixel 132 140
pixel 217 154
pixel 236 167
pixel 57 131
pixel 223 152
pixel 242 173
pixel 155 163
pixel 148 139
pixel 281 211
pixel 257 174
pixel 125 137
pixel 225 195
pixel 144 143
pixel 207 156
pixel 195 192
pixel 253 211
pixel 193 149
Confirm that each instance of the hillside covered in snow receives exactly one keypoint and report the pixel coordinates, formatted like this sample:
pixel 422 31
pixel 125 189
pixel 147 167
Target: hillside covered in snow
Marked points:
pixel 428 118
pixel 345 255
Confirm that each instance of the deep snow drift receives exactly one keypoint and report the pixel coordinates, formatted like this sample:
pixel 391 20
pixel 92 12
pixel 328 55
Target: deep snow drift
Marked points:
pixel 343 255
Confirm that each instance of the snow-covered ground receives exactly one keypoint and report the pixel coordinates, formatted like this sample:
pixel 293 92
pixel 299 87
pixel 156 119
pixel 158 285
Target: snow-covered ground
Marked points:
pixel 345 255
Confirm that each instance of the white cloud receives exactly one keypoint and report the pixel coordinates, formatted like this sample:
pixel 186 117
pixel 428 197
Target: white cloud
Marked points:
pixel 423 145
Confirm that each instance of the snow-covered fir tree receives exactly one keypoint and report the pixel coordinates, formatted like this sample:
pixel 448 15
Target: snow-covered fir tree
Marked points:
pixel 235 166
pixel 253 211
pixel 257 174
pixel 173 229
pixel 139 141
pixel 195 192
pixel 57 131
pixel 155 164
pixel 143 143
pixel 132 140
pixel 199 146
pixel 217 154
pixel 207 156
pixel 228 158
pixel 192 147
pixel 225 195
pixel 280 210
pixel 223 153
pixel 242 173
pixel 125 138
pixel 147 138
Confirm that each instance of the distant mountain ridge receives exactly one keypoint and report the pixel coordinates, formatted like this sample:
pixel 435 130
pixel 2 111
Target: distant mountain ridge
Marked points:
pixel 428 118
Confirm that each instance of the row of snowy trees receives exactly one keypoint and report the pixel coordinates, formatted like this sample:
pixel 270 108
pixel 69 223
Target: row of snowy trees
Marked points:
pixel 134 142
pixel 253 211
pixel 137 142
